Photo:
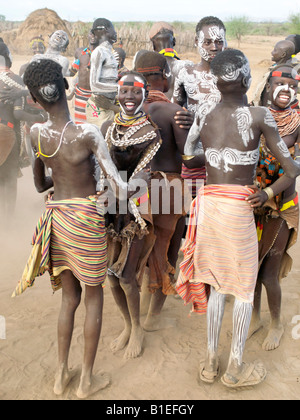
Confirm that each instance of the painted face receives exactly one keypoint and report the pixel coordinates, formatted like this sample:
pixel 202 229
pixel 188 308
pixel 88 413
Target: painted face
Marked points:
pixel 59 40
pixel 131 94
pixel 210 40
pixel 38 47
pixel 282 90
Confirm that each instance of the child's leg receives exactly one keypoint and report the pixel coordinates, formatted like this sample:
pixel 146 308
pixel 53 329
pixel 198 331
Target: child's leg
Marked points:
pixel 215 312
pixel 238 373
pixel 92 329
pixel 71 295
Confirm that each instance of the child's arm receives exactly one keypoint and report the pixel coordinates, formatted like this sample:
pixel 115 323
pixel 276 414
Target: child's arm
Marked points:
pixel 98 146
pixel 280 151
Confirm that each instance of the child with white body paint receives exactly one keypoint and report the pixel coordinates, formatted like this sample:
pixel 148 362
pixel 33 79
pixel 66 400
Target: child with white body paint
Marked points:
pixel 220 251
pixel 277 222
pixel 195 85
pixel 70 238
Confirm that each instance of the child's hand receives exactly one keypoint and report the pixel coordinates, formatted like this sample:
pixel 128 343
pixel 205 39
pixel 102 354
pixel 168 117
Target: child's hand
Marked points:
pixel 258 198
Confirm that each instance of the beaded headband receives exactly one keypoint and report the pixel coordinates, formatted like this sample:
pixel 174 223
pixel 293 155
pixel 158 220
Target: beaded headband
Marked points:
pixel 283 74
pixel 153 70
pixel 135 84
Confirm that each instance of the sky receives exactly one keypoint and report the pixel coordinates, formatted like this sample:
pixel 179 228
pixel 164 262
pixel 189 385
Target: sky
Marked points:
pixel 154 10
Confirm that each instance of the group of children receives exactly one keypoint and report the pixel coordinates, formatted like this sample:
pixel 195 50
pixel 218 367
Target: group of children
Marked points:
pixel 231 146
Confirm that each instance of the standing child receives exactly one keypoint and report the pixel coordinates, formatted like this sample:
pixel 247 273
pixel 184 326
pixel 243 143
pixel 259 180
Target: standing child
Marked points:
pixel 277 222
pixel 70 239
pixel 221 252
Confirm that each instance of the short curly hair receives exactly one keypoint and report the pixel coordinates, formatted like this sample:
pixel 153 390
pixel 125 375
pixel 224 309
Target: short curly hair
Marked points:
pixel 42 72
pixel 228 61
pixel 208 21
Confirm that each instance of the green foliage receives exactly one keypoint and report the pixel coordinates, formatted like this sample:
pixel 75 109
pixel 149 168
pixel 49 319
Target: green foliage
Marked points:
pixel 2 18
pixel 237 27
pixel 294 24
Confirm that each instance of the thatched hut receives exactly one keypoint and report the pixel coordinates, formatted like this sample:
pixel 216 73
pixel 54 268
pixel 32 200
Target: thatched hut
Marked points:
pixel 40 22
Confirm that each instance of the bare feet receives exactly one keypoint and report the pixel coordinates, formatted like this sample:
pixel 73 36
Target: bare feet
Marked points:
pixel 134 347
pixel 255 325
pixel 90 385
pixel 152 323
pixel 120 342
pixel 62 380
pixel 251 374
pixel 273 338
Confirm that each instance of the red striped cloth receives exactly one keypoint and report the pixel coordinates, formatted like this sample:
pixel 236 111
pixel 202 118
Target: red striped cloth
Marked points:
pixel 221 247
pixel 70 235
pixel 195 178
pixel 81 98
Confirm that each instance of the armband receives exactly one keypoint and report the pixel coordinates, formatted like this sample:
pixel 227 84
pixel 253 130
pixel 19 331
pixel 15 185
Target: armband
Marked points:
pixel 186 157
pixel 269 192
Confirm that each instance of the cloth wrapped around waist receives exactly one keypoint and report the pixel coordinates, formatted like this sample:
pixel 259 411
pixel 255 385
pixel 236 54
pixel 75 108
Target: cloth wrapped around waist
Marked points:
pixel 269 225
pixel 221 247
pixel 170 200
pixel 69 235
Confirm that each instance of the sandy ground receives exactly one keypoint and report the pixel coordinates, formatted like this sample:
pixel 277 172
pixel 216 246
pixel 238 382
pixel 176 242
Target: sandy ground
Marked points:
pixel 168 366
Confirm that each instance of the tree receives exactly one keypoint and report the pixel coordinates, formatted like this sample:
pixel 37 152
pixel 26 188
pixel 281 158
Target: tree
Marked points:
pixel 294 25
pixel 237 27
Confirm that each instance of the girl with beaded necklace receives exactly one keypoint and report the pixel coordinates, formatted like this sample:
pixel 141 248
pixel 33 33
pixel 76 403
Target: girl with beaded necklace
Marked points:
pixel 133 140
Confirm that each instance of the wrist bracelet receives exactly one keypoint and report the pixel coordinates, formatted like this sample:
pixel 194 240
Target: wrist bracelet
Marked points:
pixel 269 192
pixel 186 157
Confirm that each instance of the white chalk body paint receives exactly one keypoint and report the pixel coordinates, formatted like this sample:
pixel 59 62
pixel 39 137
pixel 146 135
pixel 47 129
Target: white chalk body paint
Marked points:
pixel 221 158
pixel 244 122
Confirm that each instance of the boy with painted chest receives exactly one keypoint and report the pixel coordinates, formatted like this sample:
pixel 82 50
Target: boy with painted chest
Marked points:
pixel 221 252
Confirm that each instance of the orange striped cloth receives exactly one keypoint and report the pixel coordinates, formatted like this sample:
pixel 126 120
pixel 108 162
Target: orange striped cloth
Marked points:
pixel 195 177
pixel 81 98
pixel 70 235
pixel 221 246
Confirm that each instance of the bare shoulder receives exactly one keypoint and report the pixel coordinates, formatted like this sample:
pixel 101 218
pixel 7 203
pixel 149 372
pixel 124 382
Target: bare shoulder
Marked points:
pixel 90 131
pixel 78 52
pixel 165 108
pixel 180 64
pixel 262 115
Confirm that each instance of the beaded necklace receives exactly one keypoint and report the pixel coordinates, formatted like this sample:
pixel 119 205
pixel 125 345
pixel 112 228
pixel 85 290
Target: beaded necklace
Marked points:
pixel 287 121
pixel 39 153
pixel 126 120
pixel 113 135
pixel 169 52
pixel 112 138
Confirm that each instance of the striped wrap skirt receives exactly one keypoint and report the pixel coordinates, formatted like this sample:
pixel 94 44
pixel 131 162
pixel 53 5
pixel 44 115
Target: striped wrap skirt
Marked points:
pixel 70 235
pixel 221 247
